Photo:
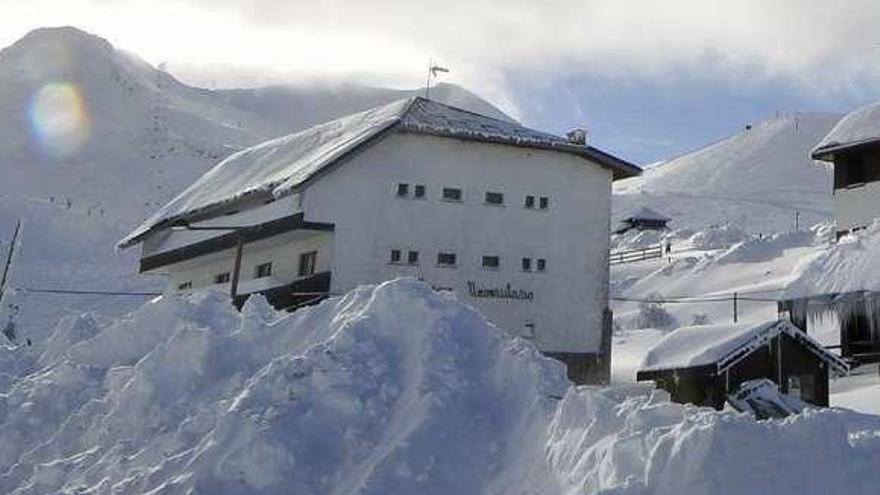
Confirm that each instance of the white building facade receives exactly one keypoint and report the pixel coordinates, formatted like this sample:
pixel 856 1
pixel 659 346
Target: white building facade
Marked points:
pixel 512 221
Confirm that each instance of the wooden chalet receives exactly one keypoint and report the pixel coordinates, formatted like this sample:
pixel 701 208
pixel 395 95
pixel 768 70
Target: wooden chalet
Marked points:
pixel 643 219
pixel 703 365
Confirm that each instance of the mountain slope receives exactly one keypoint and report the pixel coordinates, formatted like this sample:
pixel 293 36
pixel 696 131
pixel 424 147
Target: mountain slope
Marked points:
pixel 757 179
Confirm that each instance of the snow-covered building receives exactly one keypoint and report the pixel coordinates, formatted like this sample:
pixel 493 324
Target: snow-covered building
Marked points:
pixel 513 220
pixel 705 364
pixel 853 146
pixel 643 219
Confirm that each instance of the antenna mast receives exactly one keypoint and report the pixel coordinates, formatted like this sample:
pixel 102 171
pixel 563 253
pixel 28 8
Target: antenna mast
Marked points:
pixel 433 69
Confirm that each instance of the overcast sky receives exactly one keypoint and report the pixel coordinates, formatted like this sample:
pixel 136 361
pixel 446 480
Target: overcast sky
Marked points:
pixel 649 79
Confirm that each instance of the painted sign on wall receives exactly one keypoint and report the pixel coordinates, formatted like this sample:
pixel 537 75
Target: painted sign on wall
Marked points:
pixel 504 292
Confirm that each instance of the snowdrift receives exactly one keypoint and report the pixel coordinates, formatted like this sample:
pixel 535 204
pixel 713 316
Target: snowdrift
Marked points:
pixel 391 389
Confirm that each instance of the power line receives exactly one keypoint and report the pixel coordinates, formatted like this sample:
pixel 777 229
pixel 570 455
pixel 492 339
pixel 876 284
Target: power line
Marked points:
pixel 87 292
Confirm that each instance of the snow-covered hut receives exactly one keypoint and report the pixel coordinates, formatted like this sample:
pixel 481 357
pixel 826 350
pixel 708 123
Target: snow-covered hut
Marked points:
pixel 643 219
pixel 513 220
pixel 853 146
pixel 704 364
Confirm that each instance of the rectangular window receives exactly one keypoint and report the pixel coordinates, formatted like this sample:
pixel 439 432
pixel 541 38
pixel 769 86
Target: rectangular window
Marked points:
pixel 494 198
pixel 402 190
pixel 307 263
pixel 412 257
pixel 221 278
pixel 185 286
pixel 530 202
pixel 419 191
pixel 263 270
pixel 395 256
pixel 446 259
pixel 541 265
pixel 451 194
pixel 527 264
pixel 491 262
pixel 544 202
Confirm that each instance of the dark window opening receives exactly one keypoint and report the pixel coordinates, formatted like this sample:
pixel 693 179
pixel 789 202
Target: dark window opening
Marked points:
pixel 221 278
pixel 544 202
pixel 395 256
pixel 530 202
pixel 494 198
pixel 527 264
pixel 491 262
pixel 263 270
pixel 419 191
pixel 541 265
pixel 446 259
pixel 412 257
pixel 307 263
pixel 451 194
pixel 402 189
pixel 185 286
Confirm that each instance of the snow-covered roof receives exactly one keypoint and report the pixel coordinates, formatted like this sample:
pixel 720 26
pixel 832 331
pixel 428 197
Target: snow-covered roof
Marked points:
pixel 722 346
pixel 278 167
pixel 860 127
pixel 850 265
pixel 645 213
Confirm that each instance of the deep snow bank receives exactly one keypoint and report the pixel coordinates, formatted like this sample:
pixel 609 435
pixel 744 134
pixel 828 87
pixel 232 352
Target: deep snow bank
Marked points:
pixel 392 389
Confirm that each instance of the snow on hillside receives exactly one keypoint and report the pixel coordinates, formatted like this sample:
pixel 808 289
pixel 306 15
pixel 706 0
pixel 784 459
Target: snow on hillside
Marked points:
pixel 94 140
pixel 756 180
pixel 391 389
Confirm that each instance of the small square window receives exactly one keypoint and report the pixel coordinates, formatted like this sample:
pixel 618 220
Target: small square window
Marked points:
pixel 544 202
pixel 412 257
pixel 541 265
pixel 529 202
pixel 494 198
pixel 402 190
pixel 451 194
pixel 492 262
pixel 307 263
pixel 221 278
pixel 419 191
pixel 185 286
pixel 446 259
pixel 263 270
pixel 395 256
pixel 527 264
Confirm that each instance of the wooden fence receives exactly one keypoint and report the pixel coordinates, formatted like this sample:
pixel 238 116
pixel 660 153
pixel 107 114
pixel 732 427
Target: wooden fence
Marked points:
pixel 633 255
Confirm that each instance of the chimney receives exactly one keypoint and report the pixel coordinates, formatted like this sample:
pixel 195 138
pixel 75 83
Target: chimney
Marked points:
pixel 577 136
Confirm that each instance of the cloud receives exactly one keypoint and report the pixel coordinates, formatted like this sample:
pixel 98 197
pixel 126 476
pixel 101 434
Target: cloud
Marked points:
pixel 819 45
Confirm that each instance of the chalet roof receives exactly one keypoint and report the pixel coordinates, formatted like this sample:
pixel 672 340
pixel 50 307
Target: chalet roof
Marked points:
pixel 645 213
pixel 280 166
pixel 719 347
pixel 859 128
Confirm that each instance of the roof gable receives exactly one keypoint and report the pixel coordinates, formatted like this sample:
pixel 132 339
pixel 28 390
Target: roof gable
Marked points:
pixel 720 347
pixel 858 128
pixel 280 166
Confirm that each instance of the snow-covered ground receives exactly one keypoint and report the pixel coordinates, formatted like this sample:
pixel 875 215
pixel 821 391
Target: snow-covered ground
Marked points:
pixel 392 389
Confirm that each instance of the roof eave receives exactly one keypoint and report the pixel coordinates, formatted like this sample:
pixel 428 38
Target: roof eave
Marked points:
pixel 826 153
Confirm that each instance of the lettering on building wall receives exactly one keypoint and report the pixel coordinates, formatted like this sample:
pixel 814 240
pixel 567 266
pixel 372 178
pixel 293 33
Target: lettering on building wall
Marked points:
pixel 505 292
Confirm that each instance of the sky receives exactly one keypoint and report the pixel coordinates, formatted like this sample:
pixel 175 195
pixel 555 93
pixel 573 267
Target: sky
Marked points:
pixel 648 79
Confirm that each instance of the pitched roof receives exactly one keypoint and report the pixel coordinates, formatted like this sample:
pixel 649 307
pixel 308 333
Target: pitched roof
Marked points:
pixel 859 128
pixel 645 213
pixel 278 167
pixel 720 347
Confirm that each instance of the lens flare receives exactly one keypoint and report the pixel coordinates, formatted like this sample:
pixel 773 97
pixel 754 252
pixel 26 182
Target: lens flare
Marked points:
pixel 59 119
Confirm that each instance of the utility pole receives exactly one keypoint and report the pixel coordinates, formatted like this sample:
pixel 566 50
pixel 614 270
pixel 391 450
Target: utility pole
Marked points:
pixel 8 262
pixel 735 297
pixel 797 218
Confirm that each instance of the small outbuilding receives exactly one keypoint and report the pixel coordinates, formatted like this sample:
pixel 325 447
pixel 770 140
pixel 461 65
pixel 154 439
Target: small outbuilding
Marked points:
pixel 643 219
pixel 704 364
